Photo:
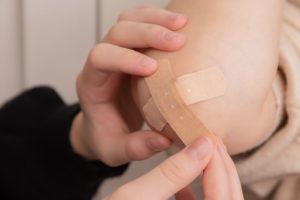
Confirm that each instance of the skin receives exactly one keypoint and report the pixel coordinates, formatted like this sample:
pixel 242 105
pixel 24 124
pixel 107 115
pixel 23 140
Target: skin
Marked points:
pixel 174 174
pixel 101 132
pixel 241 39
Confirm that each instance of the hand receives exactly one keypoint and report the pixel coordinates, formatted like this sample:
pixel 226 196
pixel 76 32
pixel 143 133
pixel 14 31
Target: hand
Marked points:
pixel 107 129
pixel 220 179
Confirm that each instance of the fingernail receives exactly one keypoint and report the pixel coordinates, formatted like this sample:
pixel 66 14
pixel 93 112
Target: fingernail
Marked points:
pixel 148 62
pixel 177 17
pixel 157 144
pixel 200 148
pixel 172 36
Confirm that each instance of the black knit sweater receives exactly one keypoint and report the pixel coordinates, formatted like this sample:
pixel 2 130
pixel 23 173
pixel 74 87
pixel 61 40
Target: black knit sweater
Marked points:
pixel 36 159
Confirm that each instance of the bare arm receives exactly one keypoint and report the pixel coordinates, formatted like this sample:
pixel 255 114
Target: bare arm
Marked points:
pixel 241 38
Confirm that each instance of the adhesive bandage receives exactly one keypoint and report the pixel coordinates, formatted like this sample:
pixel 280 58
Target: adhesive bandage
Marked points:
pixel 201 85
pixel 171 97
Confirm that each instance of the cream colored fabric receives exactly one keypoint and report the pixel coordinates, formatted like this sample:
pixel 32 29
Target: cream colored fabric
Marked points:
pixel 273 170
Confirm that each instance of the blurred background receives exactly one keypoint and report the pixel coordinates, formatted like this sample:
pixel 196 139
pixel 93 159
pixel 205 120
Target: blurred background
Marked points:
pixel 46 42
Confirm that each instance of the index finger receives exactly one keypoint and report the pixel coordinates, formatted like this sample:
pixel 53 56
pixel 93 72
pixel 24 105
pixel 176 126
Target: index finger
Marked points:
pixel 173 174
pixel 105 59
pixel 220 178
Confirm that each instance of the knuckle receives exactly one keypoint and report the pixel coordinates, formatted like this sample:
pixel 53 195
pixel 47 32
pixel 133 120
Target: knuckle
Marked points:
pixel 116 32
pixel 94 56
pixel 173 172
pixel 133 151
pixel 113 32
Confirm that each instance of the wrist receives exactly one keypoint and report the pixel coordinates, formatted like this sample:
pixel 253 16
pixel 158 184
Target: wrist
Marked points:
pixel 78 139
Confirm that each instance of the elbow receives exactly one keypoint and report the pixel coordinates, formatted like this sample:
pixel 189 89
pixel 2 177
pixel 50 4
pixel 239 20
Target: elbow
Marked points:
pixel 240 118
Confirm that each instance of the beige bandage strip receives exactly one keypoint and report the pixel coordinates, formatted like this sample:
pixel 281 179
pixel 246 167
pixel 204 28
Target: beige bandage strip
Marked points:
pixel 201 85
pixel 171 106
pixel 153 116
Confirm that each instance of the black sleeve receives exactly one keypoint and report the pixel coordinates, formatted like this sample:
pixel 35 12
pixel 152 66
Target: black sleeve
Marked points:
pixel 36 159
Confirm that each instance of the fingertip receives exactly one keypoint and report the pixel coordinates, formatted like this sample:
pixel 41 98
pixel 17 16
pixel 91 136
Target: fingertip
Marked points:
pixel 177 21
pixel 148 66
pixel 158 143
pixel 173 40
pixel 142 145
pixel 201 149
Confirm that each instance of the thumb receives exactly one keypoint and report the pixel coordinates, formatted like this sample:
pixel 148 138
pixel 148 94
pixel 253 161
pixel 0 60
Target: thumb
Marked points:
pixel 173 174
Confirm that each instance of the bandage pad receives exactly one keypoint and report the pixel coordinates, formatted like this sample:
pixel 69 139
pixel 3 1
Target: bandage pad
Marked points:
pixel 201 85
pixel 167 99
